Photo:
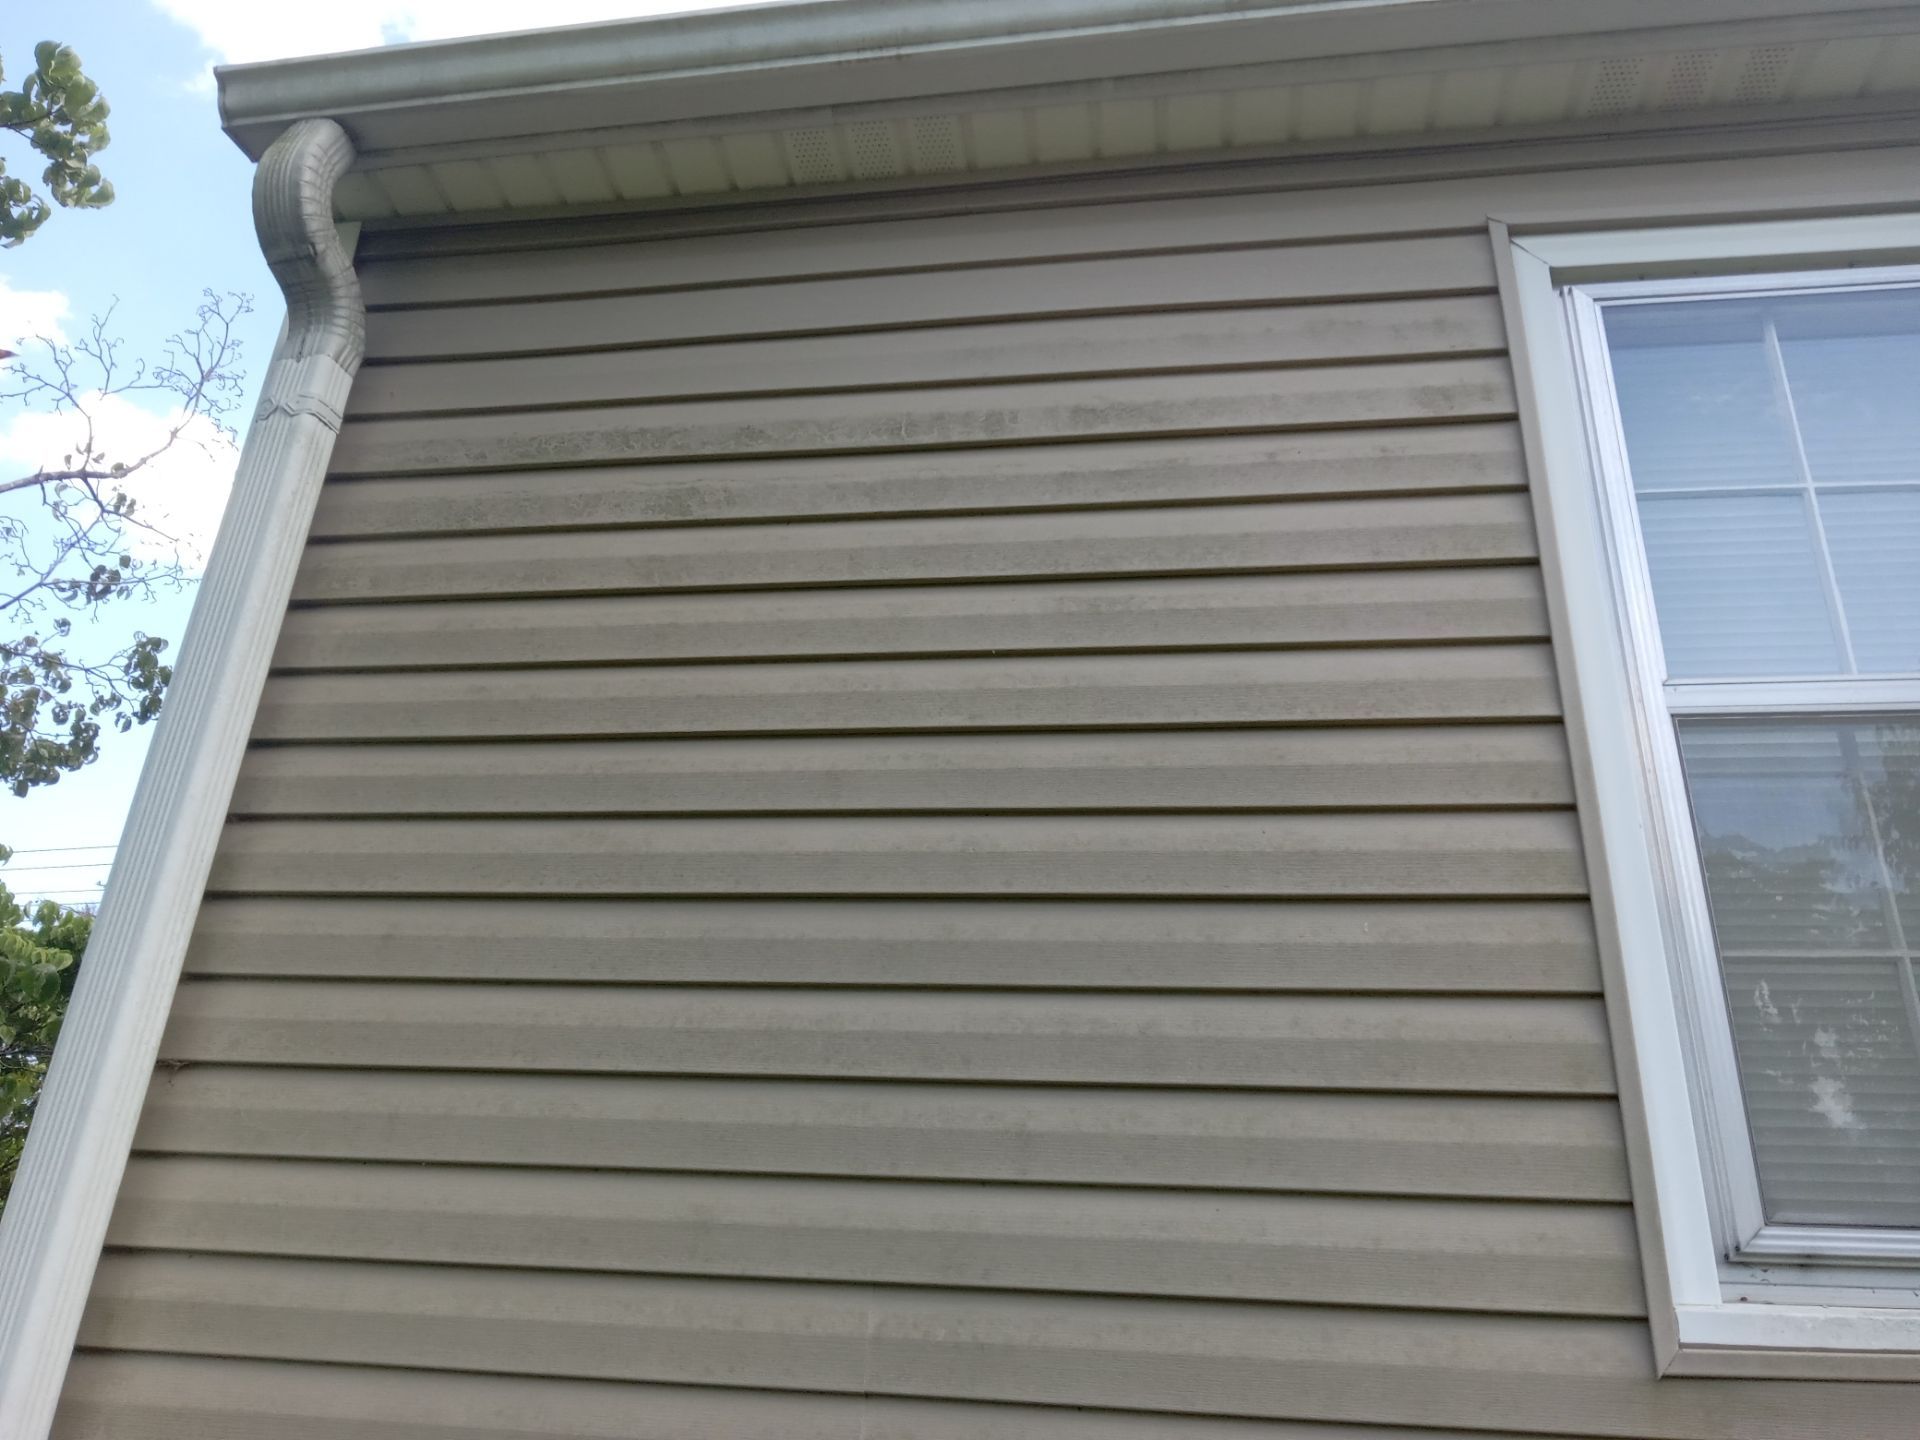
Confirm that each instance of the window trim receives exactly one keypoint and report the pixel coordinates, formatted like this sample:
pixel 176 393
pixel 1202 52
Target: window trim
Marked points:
pixel 1705 1322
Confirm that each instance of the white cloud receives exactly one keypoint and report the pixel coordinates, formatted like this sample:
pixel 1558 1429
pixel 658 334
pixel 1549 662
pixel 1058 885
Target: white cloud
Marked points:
pixel 182 493
pixel 30 315
pixel 240 30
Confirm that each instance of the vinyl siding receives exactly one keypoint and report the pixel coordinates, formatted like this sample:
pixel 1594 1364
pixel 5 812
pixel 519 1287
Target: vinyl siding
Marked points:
pixel 947 827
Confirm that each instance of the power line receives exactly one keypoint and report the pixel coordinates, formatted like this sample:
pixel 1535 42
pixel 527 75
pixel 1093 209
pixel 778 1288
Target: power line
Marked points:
pixel 67 849
pixel 6 870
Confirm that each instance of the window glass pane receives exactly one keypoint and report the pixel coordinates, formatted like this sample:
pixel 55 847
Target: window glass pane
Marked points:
pixel 1809 833
pixel 1698 398
pixel 1853 363
pixel 1784 836
pixel 1757 398
pixel 1737 584
pixel 1874 537
pixel 1832 1089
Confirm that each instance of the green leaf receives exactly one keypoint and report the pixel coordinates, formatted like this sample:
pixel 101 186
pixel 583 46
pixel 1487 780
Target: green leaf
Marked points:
pixel 61 115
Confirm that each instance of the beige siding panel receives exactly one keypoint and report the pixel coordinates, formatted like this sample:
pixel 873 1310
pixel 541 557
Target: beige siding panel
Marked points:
pixel 1531 1046
pixel 1299 535
pixel 1438 265
pixel 118 1396
pixel 1310 1363
pixel 1433 458
pixel 1013 238
pixel 1341 608
pixel 1542 947
pixel 1442 683
pixel 1239 400
pixel 1521 854
pixel 1418 1254
pixel 1277 206
pixel 1099 926
pixel 1092 345
pixel 1488 1147
pixel 1376 768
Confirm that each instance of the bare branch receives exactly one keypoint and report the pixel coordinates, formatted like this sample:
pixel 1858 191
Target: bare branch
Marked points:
pixel 86 543
pixel 62 477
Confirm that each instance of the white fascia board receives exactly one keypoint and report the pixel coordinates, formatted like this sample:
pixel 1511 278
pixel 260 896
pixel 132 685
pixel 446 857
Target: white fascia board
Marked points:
pixel 834 53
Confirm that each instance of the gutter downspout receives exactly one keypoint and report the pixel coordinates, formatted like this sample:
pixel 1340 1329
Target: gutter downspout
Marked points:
pixel 56 1221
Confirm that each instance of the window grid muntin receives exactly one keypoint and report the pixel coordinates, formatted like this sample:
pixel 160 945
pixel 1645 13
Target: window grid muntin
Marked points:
pixel 1716 1091
pixel 1809 497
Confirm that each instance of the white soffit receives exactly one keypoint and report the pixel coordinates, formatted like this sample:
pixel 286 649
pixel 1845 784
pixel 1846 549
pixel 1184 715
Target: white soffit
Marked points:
pixel 1379 79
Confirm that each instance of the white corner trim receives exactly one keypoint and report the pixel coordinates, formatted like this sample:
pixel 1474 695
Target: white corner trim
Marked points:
pixel 1699 1327
pixel 1676 1235
pixel 56 1220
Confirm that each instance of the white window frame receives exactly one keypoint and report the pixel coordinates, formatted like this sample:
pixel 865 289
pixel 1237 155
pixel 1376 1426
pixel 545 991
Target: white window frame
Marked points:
pixel 1740 1222
pixel 1728 1294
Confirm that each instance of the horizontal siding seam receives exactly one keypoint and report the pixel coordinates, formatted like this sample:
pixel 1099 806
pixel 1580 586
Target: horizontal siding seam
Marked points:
pixel 1522 560
pixel 1197 727
pixel 1589 1202
pixel 243 814
pixel 803 1077
pixel 1411 356
pixel 1503 412
pixel 810 987
pixel 322 539
pixel 1013 1292
pixel 370 261
pixel 1093 477
pixel 520 667
pixel 398 357
pixel 905 988
pixel 1167 1188
pixel 1360 1430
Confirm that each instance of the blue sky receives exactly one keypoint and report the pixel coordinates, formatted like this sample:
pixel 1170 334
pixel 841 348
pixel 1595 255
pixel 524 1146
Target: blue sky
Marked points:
pixel 181 224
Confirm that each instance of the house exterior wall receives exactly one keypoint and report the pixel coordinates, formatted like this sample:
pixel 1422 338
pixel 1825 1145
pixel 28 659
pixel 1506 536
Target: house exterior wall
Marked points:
pixel 937 825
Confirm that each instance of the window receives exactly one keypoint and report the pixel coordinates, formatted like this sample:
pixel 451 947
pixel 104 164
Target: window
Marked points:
pixel 1730 501
pixel 1759 443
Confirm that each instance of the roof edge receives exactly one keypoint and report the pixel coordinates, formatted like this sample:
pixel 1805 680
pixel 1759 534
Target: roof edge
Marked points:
pixel 802 54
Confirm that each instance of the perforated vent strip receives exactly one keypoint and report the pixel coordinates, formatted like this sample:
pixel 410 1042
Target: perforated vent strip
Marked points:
pixel 1616 86
pixel 1764 76
pixel 875 149
pixel 813 156
pixel 1690 78
pixel 935 142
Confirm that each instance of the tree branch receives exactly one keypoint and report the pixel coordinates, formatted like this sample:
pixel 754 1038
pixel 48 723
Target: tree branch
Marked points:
pixel 56 477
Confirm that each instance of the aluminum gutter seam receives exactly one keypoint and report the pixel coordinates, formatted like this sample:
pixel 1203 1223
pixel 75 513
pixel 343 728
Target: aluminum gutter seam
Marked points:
pixel 827 53
pixel 56 1220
